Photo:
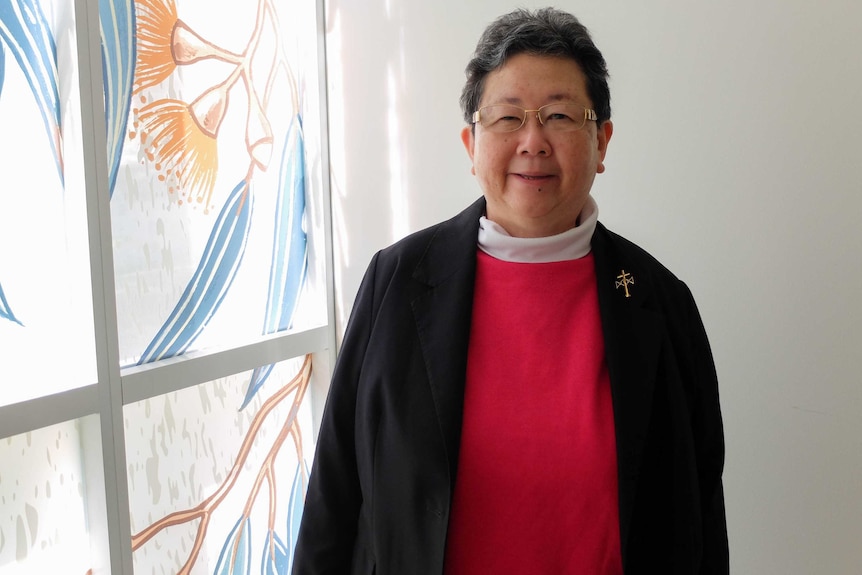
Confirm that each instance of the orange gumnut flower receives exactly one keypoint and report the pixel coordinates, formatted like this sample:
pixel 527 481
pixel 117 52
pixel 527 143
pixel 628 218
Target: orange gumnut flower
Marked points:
pixel 181 139
pixel 165 42
pixel 154 22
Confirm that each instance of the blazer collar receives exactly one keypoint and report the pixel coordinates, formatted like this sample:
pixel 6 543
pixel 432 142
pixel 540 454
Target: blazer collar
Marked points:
pixel 452 247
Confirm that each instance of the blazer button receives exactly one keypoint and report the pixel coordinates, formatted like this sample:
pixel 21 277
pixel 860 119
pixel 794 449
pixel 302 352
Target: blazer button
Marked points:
pixel 437 512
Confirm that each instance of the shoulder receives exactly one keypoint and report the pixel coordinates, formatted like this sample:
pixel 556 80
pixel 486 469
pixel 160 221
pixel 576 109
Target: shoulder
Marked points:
pixel 651 284
pixel 653 288
pixel 616 250
pixel 435 247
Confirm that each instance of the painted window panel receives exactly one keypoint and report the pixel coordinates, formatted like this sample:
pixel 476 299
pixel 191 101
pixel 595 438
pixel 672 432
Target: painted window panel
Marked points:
pixel 45 297
pixel 43 522
pixel 240 232
pixel 213 483
pixel 216 185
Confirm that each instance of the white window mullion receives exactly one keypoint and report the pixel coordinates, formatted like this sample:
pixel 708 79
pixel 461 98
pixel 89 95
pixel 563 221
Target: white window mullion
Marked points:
pixel 110 526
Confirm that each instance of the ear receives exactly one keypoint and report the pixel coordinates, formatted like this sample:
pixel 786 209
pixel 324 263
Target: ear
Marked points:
pixel 469 140
pixel 603 135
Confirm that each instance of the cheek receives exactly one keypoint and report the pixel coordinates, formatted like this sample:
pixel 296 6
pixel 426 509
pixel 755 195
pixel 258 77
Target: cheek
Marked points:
pixel 491 160
pixel 579 159
pixel 488 170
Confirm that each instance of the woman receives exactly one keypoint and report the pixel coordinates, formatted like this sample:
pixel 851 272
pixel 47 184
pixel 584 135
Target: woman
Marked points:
pixel 520 390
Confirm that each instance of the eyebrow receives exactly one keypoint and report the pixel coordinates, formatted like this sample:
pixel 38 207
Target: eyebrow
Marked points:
pixel 553 98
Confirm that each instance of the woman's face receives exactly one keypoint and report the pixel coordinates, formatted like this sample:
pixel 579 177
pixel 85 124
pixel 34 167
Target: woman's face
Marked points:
pixel 535 180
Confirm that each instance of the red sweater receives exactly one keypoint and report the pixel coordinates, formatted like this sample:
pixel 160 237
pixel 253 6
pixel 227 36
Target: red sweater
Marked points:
pixel 536 490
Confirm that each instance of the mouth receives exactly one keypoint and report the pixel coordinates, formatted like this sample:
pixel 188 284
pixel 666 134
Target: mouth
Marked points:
pixel 533 177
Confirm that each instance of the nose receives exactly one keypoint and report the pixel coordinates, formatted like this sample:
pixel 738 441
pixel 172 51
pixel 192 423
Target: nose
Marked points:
pixel 533 137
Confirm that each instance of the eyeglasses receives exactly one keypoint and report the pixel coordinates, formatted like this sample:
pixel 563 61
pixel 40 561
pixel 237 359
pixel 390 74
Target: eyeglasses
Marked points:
pixel 556 117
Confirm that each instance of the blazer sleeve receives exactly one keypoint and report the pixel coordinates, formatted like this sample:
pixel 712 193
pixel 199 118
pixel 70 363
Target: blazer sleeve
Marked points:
pixel 708 432
pixel 328 529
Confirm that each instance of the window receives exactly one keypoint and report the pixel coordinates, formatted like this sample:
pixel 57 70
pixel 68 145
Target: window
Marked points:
pixel 165 285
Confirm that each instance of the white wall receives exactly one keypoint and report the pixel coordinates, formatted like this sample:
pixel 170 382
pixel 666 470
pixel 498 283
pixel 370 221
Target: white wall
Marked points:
pixel 736 160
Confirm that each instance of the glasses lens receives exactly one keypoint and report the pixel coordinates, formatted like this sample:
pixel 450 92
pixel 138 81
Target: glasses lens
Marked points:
pixel 502 118
pixel 562 117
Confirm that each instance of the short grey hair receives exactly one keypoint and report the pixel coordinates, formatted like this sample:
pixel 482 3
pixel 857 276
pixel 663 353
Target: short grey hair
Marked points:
pixel 544 32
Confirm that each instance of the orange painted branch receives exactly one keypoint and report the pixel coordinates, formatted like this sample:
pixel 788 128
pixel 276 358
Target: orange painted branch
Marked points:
pixel 205 507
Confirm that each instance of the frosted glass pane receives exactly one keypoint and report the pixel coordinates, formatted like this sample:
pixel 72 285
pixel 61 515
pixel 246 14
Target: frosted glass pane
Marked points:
pixel 43 523
pixel 207 476
pixel 45 300
pixel 217 185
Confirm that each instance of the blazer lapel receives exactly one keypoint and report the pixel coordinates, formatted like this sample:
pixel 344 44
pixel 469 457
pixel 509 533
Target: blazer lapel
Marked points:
pixel 633 335
pixel 443 314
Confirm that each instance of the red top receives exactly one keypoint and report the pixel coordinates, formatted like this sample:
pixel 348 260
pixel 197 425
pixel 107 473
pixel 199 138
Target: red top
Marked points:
pixel 536 491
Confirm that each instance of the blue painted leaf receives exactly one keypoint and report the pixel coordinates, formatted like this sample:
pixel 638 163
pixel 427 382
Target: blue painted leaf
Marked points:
pixel 26 31
pixel 275 560
pixel 211 281
pixel 117 28
pixel 235 556
pixel 290 242
pixel 289 249
pixel 258 376
pixel 295 505
pixel 5 310
pixel 2 67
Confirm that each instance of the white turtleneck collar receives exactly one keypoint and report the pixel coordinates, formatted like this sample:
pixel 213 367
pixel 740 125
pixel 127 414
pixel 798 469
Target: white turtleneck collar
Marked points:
pixel 569 245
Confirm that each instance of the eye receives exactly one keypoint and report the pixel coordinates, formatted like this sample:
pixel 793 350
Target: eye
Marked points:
pixel 557 116
pixel 563 116
pixel 507 123
pixel 502 118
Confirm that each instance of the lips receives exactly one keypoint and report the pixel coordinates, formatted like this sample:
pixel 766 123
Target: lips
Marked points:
pixel 533 177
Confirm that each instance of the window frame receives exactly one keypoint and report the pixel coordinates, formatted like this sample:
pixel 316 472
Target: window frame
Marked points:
pixel 103 438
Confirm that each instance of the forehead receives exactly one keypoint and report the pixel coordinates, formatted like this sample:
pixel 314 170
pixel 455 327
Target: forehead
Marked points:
pixel 535 80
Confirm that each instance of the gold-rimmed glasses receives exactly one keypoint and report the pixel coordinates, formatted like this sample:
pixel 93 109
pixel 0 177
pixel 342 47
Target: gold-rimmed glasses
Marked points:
pixel 556 117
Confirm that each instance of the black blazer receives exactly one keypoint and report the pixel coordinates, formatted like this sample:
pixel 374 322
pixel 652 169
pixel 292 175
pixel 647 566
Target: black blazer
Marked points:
pixel 384 471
